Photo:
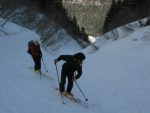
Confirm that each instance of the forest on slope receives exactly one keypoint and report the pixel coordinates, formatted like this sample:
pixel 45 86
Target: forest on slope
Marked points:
pixel 80 18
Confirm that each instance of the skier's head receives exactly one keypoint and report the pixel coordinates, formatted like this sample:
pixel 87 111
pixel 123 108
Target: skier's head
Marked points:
pixel 79 56
pixel 35 41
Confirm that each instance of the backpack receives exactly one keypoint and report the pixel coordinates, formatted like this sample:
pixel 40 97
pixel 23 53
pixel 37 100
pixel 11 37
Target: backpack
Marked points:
pixel 29 46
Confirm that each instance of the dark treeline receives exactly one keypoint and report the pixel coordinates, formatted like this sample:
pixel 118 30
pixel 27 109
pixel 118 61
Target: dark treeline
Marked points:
pixel 126 11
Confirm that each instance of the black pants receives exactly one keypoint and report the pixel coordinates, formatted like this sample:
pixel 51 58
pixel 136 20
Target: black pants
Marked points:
pixel 37 62
pixel 66 75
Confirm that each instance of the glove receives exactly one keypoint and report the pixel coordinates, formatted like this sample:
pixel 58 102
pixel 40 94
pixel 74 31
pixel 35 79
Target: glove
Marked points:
pixel 74 79
pixel 55 61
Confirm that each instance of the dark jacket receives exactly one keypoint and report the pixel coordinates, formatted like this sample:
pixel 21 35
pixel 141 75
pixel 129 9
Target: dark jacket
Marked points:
pixel 71 65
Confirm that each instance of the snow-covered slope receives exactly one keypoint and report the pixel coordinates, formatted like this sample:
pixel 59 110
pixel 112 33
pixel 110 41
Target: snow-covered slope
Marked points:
pixel 115 79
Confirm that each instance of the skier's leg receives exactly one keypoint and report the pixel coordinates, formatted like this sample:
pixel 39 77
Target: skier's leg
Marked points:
pixel 70 82
pixel 35 63
pixel 63 81
pixel 38 63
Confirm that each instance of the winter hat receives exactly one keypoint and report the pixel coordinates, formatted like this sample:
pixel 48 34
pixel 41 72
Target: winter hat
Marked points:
pixel 79 56
pixel 35 42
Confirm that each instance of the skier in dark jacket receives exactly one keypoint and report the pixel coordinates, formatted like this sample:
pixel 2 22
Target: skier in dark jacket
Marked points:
pixel 72 64
pixel 35 51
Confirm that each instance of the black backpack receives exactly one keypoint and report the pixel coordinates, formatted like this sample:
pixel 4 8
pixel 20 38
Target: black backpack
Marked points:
pixel 30 43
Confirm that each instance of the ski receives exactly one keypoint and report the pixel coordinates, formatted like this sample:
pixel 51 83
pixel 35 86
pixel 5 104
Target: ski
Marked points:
pixel 79 101
pixel 75 100
pixel 42 74
pixel 46 76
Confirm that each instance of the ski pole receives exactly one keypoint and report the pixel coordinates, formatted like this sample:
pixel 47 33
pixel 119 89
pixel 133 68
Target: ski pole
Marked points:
pixel 57 74
pixel 59 84
pixel 44 65
pixel 81 91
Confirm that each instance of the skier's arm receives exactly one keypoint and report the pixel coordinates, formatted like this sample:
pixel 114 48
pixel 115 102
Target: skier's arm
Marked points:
pixel 61 57
pixel 79 70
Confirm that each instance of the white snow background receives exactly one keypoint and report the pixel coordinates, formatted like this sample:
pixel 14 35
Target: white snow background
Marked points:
pixel 115 79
